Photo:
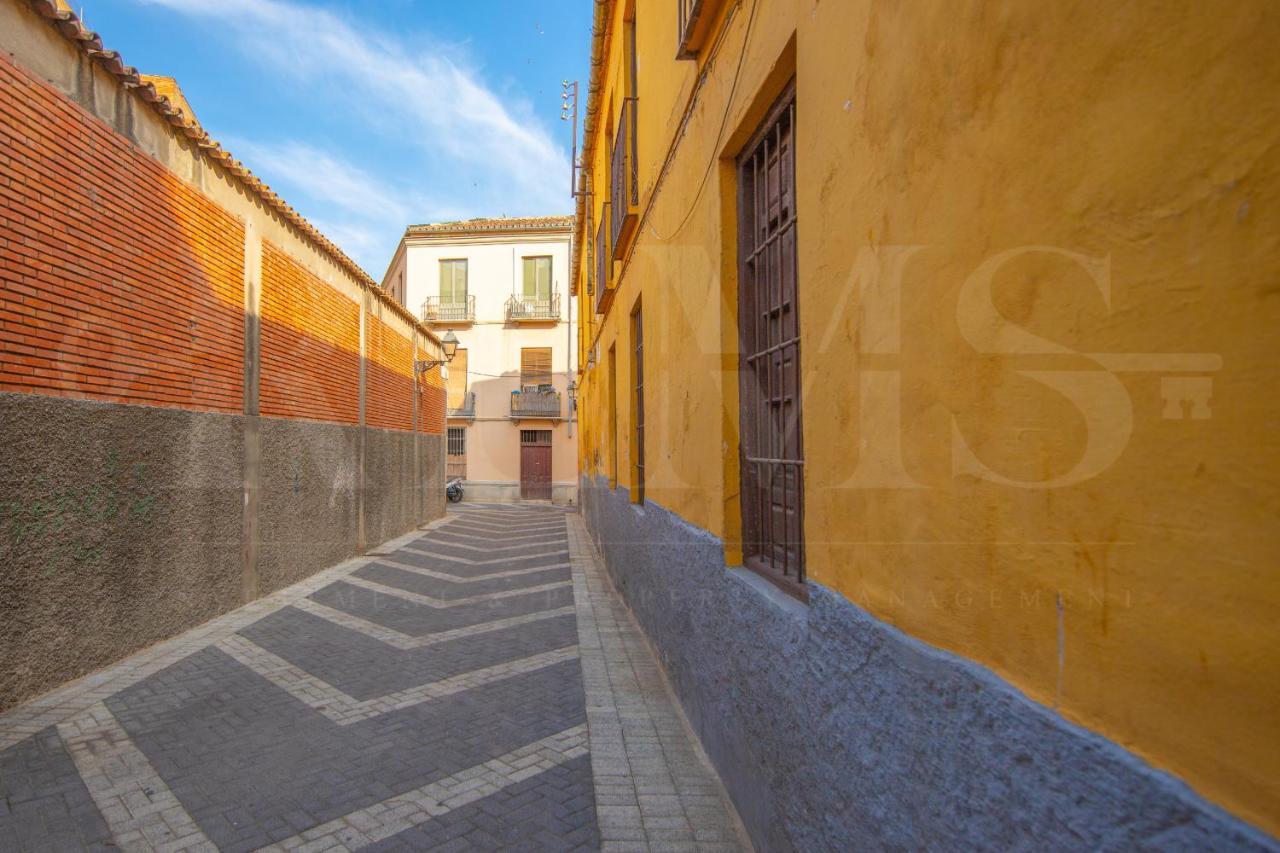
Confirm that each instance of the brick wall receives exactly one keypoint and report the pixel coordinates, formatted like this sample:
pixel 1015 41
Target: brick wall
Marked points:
pixel 121 283
pixel 310 344
pixel 431 404
pixel 389 377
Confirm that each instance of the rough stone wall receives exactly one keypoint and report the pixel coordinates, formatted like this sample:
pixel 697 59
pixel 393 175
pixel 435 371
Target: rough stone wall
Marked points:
pixel 390 502
pixel 119 526
pixel 835 731
pixel 190 381
pixel 309 513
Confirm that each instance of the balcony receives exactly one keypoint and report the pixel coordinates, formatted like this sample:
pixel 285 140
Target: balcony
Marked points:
pixel 540 402
pixel 604 264
pixel 694 19
pixel 466 407
pixel 522 310
pixel 624 186
pixel 449 313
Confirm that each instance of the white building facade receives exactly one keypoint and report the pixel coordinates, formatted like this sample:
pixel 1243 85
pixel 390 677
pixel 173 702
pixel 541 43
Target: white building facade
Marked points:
pixel 501 286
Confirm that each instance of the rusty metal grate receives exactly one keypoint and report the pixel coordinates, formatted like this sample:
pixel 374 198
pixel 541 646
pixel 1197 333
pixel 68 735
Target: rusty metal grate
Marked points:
pixel 535 436
pixel 624 186
pixel 772 452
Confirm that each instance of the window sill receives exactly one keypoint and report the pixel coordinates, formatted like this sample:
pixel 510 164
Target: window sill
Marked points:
pixel 763 586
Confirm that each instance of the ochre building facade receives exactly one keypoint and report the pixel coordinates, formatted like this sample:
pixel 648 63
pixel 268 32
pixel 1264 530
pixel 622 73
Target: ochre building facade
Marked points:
pixel 925 365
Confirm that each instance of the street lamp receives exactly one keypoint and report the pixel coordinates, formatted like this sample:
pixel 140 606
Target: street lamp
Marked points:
pixel 450 345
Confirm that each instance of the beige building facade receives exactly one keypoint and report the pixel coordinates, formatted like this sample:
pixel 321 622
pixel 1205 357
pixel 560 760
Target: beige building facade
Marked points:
pixel 501 287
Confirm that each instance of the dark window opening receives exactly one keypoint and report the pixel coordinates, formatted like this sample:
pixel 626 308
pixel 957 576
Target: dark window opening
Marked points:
pixel 772 453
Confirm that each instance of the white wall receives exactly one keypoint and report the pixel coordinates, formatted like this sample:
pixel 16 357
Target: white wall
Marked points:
pixel 494 274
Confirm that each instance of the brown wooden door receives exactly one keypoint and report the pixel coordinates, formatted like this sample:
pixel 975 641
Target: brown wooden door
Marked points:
pixel 772 454
pixel 535 464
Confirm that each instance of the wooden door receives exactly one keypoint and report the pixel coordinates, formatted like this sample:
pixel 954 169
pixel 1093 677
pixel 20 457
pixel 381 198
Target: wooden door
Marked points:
pixel 772 453
pixel 535 464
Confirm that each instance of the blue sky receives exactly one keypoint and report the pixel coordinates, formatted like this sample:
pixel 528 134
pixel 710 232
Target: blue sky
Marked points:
pixel 369 115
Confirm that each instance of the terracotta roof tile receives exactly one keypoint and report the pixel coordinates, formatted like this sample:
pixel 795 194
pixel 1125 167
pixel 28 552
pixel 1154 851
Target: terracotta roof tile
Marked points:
pixel 513 223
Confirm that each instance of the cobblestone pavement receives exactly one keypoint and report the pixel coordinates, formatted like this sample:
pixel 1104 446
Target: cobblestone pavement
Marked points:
pixel 476 685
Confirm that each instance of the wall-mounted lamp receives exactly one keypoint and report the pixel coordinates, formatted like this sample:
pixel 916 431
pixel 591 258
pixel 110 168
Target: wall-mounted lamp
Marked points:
pixel 450 345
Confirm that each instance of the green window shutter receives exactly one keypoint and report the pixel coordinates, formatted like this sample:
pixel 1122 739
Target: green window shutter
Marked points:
pixel 537 278
pixel 544 279
pixel 453 282
pixel 530 279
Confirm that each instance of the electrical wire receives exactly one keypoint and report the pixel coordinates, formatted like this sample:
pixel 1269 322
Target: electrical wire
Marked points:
pixel 724 121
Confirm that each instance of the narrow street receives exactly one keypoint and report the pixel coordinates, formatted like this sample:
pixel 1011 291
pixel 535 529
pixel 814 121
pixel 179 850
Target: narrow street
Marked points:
pixel 470 686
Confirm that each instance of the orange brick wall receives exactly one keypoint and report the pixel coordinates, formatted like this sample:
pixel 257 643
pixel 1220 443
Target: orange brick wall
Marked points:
pixel 388 377
pixel 123 283
pixel 310 345
pixel 431 403
pixel 120 282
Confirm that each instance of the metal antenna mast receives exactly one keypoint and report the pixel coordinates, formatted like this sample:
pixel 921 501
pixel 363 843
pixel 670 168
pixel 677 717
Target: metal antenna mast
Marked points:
pixel 569 107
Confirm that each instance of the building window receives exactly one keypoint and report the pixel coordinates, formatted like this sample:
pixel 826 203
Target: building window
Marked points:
pixel 456 453
pixel 772 457
pixel 602 262
pixel 535 367
pixel 694 20
pixel 624 178
pixel 537 279
pixel 613 417
pixel 457 441
pixel 637 407
pixel 591 255
pixel 453 281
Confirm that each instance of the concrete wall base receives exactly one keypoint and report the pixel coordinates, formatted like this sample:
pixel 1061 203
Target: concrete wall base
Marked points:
pixel 498 491
pixel 833 730
pixel 123 525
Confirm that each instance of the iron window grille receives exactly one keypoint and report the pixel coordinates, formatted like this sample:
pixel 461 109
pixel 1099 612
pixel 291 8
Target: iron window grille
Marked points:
pixel 772 453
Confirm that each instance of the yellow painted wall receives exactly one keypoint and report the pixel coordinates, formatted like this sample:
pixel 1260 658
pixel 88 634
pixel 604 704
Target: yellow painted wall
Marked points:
pixel 1114 563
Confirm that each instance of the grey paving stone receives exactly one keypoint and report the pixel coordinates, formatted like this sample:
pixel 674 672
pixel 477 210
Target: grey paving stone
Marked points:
pixel 364 668
pixel 302 728
pixel 551 558
pixel 440 588
pixel 418 620
pixel 44 805
pixel 553 810
pixel 515 554
pixel 237 750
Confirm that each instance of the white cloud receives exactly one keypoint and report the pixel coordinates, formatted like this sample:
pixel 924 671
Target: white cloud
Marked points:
pixel 485 154
pixel 324 177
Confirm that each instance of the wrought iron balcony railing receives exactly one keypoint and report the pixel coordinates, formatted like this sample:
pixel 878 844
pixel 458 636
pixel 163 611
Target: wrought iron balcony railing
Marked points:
pixel 624 186
pixel 539 402
pixel 604 264
pixel 520 309
pixel 451 311
pixel 467 408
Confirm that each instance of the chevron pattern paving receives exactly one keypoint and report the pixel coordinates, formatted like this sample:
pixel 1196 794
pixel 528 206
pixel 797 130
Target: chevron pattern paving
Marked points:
pixel 429 697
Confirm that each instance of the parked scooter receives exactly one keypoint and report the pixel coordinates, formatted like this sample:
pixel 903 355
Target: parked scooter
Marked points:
pixel 453 490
